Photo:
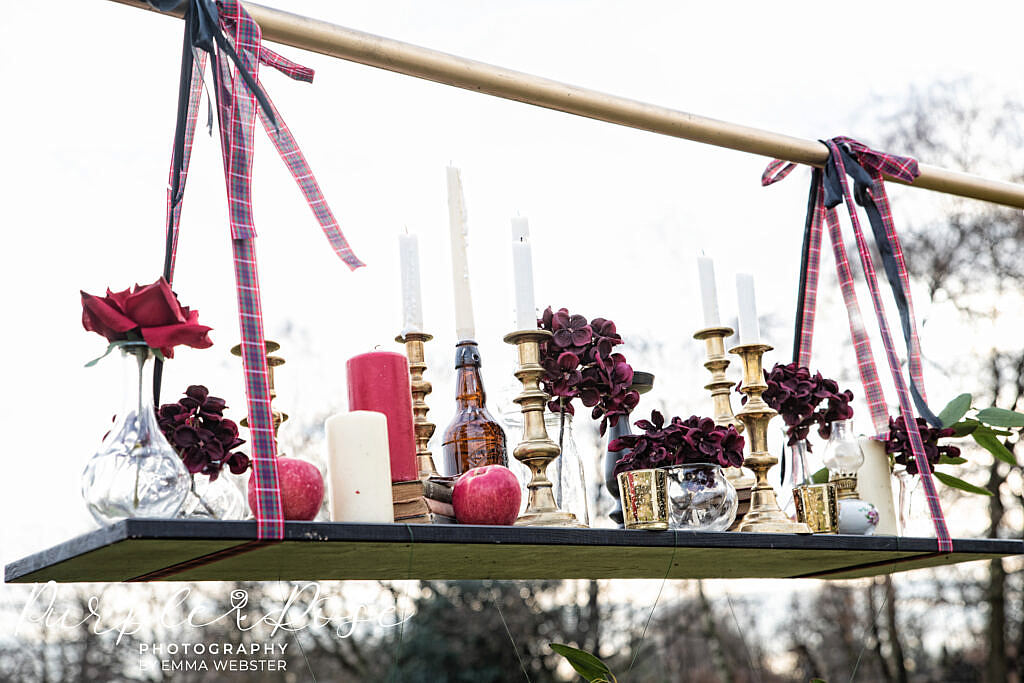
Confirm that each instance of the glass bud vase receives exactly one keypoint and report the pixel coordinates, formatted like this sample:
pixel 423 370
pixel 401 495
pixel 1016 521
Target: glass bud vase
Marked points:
pixel 135 472
pixel 796 474
pixel 213 499
pixel 700 498
pixel 568 482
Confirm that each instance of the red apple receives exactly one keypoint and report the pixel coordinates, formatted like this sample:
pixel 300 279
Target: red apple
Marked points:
pixel 302 489
pixel 487 495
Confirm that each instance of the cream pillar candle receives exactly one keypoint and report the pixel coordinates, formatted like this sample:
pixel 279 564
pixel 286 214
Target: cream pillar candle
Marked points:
pixel 459 233
pixel 874 485
pixel 359 467
pixel 522 270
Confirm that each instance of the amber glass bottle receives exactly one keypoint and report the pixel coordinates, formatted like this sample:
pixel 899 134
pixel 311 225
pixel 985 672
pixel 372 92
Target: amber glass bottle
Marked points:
pixel 473 438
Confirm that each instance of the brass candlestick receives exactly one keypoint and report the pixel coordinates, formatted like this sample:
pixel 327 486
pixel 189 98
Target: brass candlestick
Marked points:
pixel 414 342
pixel 764 515
pixel 272 362
pixel 536 450
pixel 721 390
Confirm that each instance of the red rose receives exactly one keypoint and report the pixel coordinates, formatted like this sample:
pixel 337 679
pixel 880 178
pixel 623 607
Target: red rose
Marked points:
pixel 151 312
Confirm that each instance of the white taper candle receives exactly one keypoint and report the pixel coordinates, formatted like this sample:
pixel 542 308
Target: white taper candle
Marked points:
pixel 522 269
pixel 412 296
pixel 708 291
pixel 459 230
pixel 359 467
pixel 750 333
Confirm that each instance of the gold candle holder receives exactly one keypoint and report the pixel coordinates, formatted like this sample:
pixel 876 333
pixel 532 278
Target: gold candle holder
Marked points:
pixel 272 362
pixel 721 391
pixel 414 350
pixel 536 450
pixel 764 516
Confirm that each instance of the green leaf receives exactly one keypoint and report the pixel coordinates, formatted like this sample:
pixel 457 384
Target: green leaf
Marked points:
pixel 820 477
pixel 1000 417
pixel 585 664
pixel 957 483
pixel 113 345
pixel 948 460
pixel 955 410
pixel 818 680
pixel 965 427
pixel 991 443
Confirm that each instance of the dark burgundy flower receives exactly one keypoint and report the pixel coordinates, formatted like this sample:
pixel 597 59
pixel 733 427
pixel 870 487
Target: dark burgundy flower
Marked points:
pixel 798 396
pixel 599 378
pixel 570 331
pixel 693 440
pixel 197 429
pixel 898 443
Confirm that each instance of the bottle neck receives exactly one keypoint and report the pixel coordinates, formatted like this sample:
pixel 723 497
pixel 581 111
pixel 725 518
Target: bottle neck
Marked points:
pixel 469 385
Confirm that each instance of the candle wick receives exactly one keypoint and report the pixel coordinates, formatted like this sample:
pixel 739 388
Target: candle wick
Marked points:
pixel 406 229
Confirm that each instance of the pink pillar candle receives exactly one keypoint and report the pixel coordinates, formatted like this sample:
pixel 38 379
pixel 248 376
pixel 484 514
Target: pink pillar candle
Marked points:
pixel 379 381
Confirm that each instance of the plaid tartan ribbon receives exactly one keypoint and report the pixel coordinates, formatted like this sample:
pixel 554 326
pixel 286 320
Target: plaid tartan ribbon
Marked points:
pixel 235 71
pixel 829 188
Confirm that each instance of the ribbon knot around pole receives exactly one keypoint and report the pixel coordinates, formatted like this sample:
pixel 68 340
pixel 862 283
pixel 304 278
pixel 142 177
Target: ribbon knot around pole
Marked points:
pixel 829 188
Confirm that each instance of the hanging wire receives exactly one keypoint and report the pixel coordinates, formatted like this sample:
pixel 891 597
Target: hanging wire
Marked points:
pixel 401 625
pixel 643 634
pixel 295 637
pixel 856 665
pixel 746 648
pixel 497 603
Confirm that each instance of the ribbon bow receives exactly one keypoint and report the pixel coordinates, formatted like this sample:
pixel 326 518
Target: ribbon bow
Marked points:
pixel 225 33
pixel 829 188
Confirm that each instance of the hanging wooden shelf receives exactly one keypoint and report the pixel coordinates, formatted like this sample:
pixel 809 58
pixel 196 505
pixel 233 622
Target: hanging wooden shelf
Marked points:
pixel 182 550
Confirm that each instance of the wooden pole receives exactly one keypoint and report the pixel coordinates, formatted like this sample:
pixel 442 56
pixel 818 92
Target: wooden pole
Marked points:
pixel 404 58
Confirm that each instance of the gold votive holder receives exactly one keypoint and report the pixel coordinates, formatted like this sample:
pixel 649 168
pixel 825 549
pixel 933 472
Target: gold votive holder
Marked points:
pixel 817 506
pixel 424 429
pixel 644 495
pixel 536 450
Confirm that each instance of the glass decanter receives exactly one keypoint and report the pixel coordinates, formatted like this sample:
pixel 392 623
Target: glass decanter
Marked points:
pixel 135 472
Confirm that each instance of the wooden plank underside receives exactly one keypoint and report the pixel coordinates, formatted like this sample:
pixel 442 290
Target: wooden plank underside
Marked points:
pixel 179 550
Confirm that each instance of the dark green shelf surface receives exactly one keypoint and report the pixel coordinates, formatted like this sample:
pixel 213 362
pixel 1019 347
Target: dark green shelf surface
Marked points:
pixel 185 550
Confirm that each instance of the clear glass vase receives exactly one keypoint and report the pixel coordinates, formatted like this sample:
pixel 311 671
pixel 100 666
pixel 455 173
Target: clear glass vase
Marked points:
pixel 797 473
pixel 214 499
pixel 700 498
pixel 568 481
pixel 915 519
pixel 135 472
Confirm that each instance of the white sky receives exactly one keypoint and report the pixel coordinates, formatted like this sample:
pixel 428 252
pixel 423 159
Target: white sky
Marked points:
pixel 616 215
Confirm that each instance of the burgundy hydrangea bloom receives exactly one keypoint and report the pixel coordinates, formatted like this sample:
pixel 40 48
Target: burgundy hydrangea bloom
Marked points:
pixel 798 395
pixel 579 363
pixel 898 443
pixel 694 440
pixel 202 436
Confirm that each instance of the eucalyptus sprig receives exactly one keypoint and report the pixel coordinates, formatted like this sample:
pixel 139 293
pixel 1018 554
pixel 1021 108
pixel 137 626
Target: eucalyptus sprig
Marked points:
pixel 589 666
pixel 987 426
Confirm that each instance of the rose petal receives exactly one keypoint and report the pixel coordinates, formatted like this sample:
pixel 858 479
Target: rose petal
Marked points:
pixel 154 306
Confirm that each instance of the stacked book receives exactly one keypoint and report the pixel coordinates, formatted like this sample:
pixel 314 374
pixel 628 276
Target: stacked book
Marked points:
pixel 743 496
pixel 423 502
